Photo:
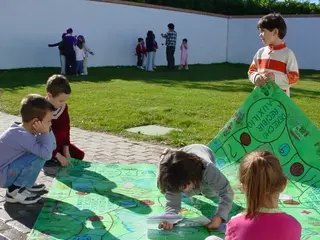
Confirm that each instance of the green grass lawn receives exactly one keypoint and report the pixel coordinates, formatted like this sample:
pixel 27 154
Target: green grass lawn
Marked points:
pixel 198 102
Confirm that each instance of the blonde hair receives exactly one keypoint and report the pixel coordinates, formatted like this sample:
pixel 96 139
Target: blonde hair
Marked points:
pixel 261 175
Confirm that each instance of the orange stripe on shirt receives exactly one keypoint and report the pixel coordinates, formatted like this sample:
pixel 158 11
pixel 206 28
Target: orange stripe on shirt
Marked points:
pixel 272 64
pixel 252 69
pixel 293 77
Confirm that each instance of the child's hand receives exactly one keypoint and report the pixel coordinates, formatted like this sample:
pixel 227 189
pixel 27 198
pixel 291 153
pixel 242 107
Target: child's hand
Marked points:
pixel 165 226
pixel 164 153
pixel 62 159
pixel 215 223
pixel 270 76
pixel 40 127
pixel 66 152
pixel 259 81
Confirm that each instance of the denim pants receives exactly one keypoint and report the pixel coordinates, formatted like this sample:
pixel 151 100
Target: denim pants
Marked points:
pixel 79 67
pixel 24 171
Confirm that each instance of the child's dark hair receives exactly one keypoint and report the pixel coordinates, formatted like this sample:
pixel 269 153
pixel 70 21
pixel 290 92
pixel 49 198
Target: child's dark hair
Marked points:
pixel 80 44
pixel 273 21
pixel 58 84
pixel 69 30
pixel 185 40
pixel 261 175
pixel 177 169
pixel 140 39
pixel 171 26
pixel 150 34
pixel 81 38
pixel 34 106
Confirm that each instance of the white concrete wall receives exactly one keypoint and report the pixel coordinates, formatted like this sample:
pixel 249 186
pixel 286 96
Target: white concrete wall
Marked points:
pixel 111 30
pixel 302 37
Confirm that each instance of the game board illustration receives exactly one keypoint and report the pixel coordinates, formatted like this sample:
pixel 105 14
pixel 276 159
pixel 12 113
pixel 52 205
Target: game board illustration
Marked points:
pixel 91 201
pixel 269 120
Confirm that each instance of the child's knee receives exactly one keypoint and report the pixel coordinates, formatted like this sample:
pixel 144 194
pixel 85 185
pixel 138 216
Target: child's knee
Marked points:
pixel 28 158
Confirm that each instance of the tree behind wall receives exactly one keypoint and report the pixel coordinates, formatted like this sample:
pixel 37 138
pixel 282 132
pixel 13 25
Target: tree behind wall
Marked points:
pixel 241 7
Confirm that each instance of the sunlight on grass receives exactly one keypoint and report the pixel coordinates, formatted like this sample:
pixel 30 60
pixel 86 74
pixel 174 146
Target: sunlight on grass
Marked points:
pixel 199 102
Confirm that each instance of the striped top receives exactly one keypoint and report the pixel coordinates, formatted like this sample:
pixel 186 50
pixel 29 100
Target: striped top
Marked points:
pixel 277 59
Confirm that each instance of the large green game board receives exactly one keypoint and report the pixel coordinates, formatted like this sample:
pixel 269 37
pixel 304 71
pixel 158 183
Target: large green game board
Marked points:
pixel 92 201
pixel 269 120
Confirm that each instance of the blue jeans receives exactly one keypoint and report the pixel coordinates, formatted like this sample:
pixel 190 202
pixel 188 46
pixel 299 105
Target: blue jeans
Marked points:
pixel 24 171
pixel 79 67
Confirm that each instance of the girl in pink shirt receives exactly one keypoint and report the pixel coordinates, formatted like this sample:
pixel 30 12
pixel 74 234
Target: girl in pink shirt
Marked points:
pixel 262 181
pixel 184 55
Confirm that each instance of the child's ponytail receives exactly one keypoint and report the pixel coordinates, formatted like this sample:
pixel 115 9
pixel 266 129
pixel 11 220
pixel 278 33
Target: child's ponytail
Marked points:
pixel 261 176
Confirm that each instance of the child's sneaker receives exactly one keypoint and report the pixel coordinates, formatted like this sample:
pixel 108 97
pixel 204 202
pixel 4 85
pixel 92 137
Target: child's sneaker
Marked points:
pixel 37 188
pixel 52 163
pixel 22 195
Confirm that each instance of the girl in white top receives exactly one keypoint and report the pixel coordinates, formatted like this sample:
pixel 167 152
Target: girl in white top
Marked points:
pixel 80 56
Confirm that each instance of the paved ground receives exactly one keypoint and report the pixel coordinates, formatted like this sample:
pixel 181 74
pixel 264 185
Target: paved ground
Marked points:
pixel 16 220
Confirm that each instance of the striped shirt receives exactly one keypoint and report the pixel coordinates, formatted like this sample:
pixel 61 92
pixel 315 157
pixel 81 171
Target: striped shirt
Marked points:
pixel 277 59
pixel 171 38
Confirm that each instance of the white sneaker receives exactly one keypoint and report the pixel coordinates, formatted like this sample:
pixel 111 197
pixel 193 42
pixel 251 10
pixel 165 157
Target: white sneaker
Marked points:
pixel 22 195
pixel 37 188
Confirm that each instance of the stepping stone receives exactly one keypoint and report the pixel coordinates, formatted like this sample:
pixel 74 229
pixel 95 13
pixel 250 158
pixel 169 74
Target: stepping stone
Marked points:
pixel 152 130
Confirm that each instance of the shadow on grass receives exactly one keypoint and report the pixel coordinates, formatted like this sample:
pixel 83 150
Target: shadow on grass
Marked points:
pixel 67 214
pixel 198 73
pixel 198 77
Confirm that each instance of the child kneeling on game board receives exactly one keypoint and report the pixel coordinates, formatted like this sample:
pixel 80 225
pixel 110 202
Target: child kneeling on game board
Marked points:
pixel 58 92
pixel 192 170
pixel 262 180
pixel 24 148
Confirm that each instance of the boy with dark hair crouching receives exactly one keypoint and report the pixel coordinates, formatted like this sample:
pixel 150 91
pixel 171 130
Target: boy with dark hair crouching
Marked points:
pixel 25 147
pixel 192 170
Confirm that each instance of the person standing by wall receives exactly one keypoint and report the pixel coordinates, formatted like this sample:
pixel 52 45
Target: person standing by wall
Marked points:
pixel 155 46
pixel 61 51
pixel 87 51
pixel 150 50
pixel 69 41
pixel 171 40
